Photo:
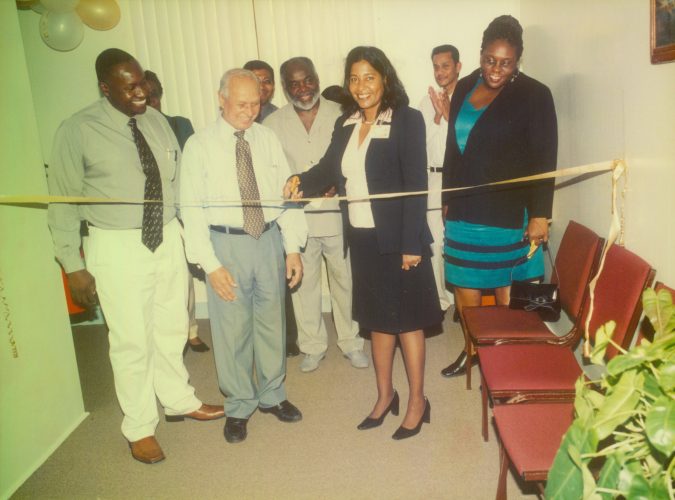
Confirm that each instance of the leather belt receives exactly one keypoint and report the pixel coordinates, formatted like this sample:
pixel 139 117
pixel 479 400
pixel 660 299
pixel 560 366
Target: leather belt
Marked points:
pixel 238 230
pixel 435 169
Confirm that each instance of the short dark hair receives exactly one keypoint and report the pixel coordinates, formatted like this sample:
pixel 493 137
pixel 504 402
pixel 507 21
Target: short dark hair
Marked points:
pixel 504 28
pixel 336 94
pixel 394 95
pixel 257 64
pixel 300 61
pixel 151 76
pixel 442 49
pixel 109 58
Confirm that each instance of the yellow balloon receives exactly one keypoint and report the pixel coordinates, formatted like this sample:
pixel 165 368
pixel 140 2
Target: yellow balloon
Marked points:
pixel 99 14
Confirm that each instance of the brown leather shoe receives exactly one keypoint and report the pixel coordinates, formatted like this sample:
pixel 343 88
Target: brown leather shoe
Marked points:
pixel 204 412
pixel 147 450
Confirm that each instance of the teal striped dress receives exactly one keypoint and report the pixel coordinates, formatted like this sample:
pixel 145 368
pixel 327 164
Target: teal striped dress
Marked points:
pixel 484 257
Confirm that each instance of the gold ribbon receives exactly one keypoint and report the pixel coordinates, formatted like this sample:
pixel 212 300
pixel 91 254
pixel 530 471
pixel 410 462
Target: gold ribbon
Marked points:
pixel 566 172
pixel 616 232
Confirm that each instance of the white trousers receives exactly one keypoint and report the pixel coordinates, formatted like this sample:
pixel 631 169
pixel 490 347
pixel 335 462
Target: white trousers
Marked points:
pixel 435 221
pixel 143 297
pixel 312 334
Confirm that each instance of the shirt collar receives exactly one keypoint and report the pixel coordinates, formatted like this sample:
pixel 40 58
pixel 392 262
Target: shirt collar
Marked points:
pixel 116 115
pixel 384 117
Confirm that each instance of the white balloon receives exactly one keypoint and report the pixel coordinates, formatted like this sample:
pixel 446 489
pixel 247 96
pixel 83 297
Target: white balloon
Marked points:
pixel 61 30
pixel 60 5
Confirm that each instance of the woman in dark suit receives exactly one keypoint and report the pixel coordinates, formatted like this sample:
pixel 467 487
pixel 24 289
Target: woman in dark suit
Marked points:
pixel 378 147
pixel 502 125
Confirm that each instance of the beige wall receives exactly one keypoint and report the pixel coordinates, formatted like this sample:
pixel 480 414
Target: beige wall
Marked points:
pixel 612 103
pixel 40 394
pixel 594 55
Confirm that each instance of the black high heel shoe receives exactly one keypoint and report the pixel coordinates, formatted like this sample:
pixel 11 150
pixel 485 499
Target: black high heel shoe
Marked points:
pixel 458 367
pixel 403 433
pixel 369 423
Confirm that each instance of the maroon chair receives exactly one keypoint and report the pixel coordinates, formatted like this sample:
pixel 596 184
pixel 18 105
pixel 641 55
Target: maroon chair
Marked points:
pixel 576 262
pixel 530 436
pixel 514 373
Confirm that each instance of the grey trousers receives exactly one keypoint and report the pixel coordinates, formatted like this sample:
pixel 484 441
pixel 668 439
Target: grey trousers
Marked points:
pixel 249 333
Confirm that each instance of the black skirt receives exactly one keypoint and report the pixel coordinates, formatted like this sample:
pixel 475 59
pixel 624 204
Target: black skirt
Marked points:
pixel 386 298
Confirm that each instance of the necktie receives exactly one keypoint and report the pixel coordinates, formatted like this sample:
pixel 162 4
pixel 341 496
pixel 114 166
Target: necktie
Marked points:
pixel 153 220
pixel 254 220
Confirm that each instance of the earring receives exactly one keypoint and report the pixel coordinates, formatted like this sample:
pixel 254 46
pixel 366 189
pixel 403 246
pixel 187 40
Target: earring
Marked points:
pixel 515 75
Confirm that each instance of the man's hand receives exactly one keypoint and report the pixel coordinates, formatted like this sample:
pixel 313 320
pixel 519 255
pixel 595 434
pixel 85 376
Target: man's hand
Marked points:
pixel 223 284
pixel 291 191
pixel 537 230
pixel 331 192
pixel 409 261
pixel 441 104
pixel 293 269
pixel 82 287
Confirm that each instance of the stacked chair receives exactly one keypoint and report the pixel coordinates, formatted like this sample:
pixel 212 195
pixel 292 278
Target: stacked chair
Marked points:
pixel 543 376
pixel 530 435
pixel 575 263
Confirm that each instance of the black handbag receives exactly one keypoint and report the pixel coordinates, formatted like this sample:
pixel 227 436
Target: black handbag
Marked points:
pixel 542 298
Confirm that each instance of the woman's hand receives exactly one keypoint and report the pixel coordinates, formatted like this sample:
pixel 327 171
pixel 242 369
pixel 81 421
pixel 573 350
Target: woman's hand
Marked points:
pixel 409 261
pixel 291 191
pixel 537 230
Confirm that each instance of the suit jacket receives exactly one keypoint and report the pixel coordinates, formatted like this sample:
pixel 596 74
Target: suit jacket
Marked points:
pixel 394 164
pixel 517 135
pixel 182 127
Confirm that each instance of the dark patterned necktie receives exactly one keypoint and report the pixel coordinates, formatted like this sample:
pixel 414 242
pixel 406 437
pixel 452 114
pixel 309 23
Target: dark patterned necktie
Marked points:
pixel 153 218
pixel 254 220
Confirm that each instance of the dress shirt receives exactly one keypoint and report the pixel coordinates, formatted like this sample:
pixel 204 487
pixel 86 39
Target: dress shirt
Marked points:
pixel 94 154
pixel 356 186
pixel 303 150
pixel 209 185
pixel 437 134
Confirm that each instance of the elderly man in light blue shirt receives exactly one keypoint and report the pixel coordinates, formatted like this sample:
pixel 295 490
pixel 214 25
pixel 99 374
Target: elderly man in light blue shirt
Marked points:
pixel 239 241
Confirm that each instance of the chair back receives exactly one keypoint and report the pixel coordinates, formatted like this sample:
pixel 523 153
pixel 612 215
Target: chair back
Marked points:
pixel 618 295
pixel 576 262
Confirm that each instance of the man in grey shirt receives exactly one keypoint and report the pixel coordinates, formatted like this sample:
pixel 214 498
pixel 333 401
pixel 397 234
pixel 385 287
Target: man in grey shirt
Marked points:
pixel 305 127
pixel 111 149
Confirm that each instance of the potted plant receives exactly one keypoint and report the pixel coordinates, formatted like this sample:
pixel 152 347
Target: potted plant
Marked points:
pixel 622 440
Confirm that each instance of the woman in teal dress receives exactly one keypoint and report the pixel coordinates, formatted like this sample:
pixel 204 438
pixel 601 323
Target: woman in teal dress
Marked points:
pixel 502 125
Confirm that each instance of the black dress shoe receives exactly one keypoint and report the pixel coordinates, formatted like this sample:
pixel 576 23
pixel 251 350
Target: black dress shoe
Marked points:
pixel 235 429
pixel 369 423
pixel 404 433
pixel 284 411
pixel 201 347
pixel 292 350
pixel 458 367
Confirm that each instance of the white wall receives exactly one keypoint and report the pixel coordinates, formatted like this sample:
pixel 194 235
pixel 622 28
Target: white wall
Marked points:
pixel 612 103
pixel 40 394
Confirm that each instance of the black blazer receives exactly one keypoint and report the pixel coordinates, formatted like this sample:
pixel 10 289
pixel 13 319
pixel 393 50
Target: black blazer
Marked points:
pixel 394 164
pixel 182 128
pixel 517 135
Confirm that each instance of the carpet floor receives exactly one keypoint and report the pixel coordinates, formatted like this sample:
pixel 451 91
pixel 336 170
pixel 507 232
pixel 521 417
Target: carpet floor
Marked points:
pixel 322 457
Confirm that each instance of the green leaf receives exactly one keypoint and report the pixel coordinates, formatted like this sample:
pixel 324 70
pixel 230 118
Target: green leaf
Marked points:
pixel 667 377
pixel 609 474
pixel 633 358
pixel 619 403
pixel 565 479
pixel 653 387
pixel 659 488
pixel 660 425
pixel 659 309
pixel 639 488
pixel 602 337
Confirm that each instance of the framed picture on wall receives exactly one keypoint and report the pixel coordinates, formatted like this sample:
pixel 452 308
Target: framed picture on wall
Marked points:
pixel 662 32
